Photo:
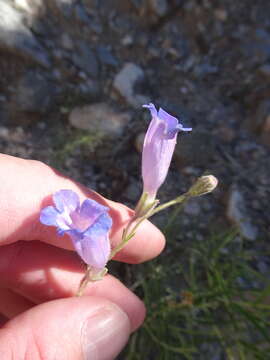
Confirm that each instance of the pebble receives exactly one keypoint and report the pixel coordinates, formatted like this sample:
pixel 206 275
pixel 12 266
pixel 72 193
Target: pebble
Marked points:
pixel 86 59
pixel 81 14
pixel 23 5
pixel 4 132
pixel 29 6
pixel 237 213
pixel 99 118
pixel 260 121
pixel 34 93
pixel 105 56
pixel 65 6
pixel 127 40
pixel 66 41
pixel 22 41
pixel 221 14
pixel 265 70
pixel 91 88
pixel 159 7
pixel 125 81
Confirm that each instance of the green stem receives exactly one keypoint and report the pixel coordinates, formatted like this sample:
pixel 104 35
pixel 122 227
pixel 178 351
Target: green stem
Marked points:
pixel 128 234
pixel 180 199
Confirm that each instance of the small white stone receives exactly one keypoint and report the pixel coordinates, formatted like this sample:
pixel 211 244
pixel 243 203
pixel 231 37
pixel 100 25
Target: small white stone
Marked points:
pixel 22 4
pixel 221 14
pixel 237 213
pixel 99 118
pixel 67 42
pixel 127 40
pixel 125 81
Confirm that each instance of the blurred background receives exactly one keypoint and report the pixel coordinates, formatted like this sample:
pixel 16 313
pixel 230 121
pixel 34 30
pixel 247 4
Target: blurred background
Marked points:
pixel 74 74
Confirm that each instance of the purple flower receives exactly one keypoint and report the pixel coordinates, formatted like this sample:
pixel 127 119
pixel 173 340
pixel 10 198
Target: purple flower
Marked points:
pixel 88 225
pixel 158 148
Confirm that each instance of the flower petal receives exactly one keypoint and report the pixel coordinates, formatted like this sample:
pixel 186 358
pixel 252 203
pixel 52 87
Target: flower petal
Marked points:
pixel 180 127
pixel 94 248
pixel 152 109
pixel 158 148
pixel 48 216
pixel 66 200
pixel 92 210
pixel 168 118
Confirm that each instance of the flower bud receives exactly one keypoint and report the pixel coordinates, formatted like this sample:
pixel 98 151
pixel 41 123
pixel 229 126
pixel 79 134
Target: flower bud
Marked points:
pixel 203 185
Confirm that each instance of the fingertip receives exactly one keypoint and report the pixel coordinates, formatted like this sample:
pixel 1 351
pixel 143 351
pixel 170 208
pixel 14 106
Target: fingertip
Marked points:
pixel 131 304
pixel 147 243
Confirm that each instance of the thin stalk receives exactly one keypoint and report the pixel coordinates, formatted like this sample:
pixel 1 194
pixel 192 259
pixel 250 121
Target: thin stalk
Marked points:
pixel 84 281
pixel 179 200
pixel 128 234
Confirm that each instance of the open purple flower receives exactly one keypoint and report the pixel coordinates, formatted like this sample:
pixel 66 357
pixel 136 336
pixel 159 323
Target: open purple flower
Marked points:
pixel 158 148
pixel 88 225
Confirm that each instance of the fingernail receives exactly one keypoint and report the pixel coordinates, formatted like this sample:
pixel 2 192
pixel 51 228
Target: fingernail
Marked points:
pixel 105 333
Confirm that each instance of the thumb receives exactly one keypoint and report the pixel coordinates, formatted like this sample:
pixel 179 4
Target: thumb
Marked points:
pixel 71 329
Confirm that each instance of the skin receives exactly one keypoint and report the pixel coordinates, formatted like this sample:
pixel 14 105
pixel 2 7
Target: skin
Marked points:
pixel 39 270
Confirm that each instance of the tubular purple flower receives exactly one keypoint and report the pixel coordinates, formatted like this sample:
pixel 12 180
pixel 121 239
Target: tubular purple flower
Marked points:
pixel 88 225
pixel 158 148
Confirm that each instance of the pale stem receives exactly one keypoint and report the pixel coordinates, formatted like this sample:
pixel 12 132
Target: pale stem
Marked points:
pixel 129 231
pixel 180 199
pixel 124 239
pixel 84 281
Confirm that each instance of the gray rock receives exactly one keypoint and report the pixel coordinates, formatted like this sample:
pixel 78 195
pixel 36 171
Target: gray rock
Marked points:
pixel 99 118
pixel 205 69
pixel 66 42
pixel 65 6
pixel 221 14
pixel 257 46
pixel 4 133
pixel 262 112
pixel 260 121
pixel 265 70
pixel 106 57
pixel 138 4
pixel 81 14
pixel 29 6
pixel 159 7
pixel 125 81
pixel 86 59
pixel 194 149
pixel 90 88
pixel 237 213
pixel 3 115
pixel 34 93
pixel 17 38
pixel 127 40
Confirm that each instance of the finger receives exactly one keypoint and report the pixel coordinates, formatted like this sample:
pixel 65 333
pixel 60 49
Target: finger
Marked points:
pixel 23 196
pixel 12 304
pixel 94 329
pixel 3 320
pixel 41 272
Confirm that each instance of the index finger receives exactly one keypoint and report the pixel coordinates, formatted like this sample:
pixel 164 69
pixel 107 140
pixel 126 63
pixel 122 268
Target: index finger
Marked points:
pixel 27 187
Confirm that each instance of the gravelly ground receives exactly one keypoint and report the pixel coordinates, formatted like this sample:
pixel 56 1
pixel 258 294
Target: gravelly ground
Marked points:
pixel 207 62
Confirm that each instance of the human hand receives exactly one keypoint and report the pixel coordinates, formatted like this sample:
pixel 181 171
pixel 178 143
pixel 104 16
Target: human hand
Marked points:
pixel 39 274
